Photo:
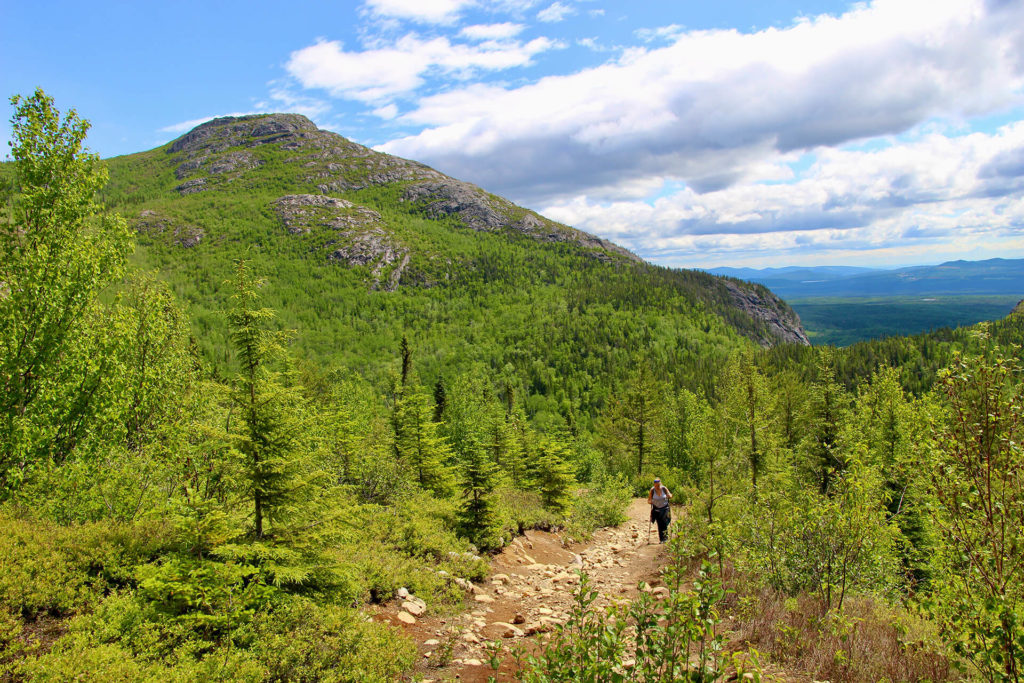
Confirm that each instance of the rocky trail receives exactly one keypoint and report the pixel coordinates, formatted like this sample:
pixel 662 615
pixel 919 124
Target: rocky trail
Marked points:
pixel 529 592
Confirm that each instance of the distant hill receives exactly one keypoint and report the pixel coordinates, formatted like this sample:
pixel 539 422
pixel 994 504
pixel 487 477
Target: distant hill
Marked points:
pixel 360 249
pixel 993 276
pixel 793 273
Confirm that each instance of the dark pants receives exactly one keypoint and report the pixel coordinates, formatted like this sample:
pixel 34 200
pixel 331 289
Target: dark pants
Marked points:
pixel 663 516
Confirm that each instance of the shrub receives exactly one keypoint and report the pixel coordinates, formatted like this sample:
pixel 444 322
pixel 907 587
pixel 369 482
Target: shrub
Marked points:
pixel 650 641
pixel 601 506
pixel 59 569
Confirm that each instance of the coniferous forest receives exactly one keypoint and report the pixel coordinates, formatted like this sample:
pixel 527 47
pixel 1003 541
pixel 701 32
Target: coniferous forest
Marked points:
pixel 217 460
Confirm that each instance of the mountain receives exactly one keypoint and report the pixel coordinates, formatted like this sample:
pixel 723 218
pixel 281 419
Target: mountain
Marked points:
pixel 792 273
pixel 993 276
pixel 360 249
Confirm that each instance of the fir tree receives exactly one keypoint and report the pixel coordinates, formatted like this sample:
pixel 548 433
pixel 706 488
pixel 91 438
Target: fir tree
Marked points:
pixel 477 516
pixel 440 399
pixel 271 439
pixel 828 405
pixel 552 474
pixel 421 447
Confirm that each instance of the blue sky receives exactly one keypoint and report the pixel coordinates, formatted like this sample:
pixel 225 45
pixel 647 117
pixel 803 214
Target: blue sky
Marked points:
pixel 694 133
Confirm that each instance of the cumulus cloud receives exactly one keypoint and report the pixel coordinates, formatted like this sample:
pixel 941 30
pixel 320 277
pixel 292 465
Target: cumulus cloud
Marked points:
pixel 424 11
pixel 933 190
pixel 714 104
pixel 649 35
pixel 492 31
pixel 283 97
pixel 384 72
pixel 555 12
pixel 387 112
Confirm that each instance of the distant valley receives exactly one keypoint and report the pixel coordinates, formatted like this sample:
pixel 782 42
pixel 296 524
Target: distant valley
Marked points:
pixel 842 305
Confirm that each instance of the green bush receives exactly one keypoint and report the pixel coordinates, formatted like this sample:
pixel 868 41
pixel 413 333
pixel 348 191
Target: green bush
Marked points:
pixel 36 576
pixel 603 505
pixel 519 510
pixel 304 642
pixel 410 544
pixel 47 567
pixel 295 641
pixel 653 641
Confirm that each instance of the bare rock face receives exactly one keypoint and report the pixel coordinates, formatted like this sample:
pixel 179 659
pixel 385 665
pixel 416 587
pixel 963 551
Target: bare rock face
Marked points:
pixel 187 168
pixel 234 161
pixel 453 198
pixel 303 212
pixel 184 235
pixel 782 322
pixel 191 186
pixel 232 131
pixel 357 235
pixel 482 211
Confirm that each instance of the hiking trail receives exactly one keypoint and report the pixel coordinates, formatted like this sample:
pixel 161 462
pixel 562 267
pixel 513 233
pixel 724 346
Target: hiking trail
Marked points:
pixel 529 591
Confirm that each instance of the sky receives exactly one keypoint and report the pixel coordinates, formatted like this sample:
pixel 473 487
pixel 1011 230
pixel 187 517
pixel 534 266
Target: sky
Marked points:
pixel 696 134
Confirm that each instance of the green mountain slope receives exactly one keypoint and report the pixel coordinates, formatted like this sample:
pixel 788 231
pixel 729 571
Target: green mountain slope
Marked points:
pixel 361 248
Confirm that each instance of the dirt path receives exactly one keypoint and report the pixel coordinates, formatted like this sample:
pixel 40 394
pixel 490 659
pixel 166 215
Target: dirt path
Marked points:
pixel 529 592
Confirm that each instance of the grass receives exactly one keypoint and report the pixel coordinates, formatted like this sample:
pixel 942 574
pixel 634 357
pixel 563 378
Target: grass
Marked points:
pixel 867 641
pixel 841 321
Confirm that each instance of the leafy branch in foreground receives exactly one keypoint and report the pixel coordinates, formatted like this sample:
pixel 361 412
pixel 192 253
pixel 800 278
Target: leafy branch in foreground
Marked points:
pixel 978 484
pixel 55 258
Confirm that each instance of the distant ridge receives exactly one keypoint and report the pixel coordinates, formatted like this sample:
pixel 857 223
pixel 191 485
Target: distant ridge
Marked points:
pixel 991 276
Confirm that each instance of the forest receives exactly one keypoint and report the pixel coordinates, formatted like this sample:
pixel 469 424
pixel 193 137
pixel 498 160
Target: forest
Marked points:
pixel 191 497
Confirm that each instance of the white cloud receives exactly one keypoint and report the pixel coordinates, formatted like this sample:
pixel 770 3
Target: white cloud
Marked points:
pixel 555 12
pixel 384 72
pixel 492 31
pixel 649 35
pixel 284 99
pixel 424 11
pixel 387 112
pixel 713 103
pixel 932 193
pixel 594 45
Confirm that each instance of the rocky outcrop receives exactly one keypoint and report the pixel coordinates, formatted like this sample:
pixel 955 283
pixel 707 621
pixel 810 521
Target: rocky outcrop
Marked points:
pixel 230 162
pixel 485 212
pixel 191 186
pixel 182 234
pixel 355 235
pixel 221 134
pixel 781 321
pixel 303 212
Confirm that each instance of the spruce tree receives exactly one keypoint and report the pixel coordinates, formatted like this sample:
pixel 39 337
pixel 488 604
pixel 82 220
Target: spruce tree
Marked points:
pixel 748 404
pixel 828 406
pixel 477 516
pixel 634 425
pixel 440 399
pixel 271 439
pixel 552 474
pixel 420 446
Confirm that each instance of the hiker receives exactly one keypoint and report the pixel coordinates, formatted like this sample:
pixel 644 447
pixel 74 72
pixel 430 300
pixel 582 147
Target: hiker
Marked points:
pixel 658 499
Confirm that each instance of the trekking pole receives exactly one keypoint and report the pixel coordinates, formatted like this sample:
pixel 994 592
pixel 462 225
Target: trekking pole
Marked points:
pixel 650 523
